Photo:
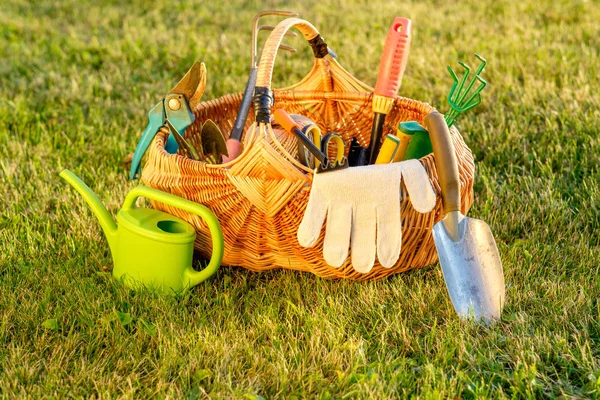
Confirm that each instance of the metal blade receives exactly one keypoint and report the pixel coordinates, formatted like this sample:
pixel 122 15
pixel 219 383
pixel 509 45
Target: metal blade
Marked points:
pixel 271 27
pixel 213 141
pixel 472 269
pixel 192 85
pixel 182 143
pixel 257 17
pixel 195 99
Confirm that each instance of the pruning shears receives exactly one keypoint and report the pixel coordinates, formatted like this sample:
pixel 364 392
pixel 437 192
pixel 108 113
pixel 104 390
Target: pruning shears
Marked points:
pixel 175 111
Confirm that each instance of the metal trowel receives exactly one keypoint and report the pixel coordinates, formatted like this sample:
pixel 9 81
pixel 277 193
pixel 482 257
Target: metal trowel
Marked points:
pixel 466 247
pixel 213 142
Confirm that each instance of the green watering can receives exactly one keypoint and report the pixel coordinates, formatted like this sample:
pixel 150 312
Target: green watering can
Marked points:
pixel 151 248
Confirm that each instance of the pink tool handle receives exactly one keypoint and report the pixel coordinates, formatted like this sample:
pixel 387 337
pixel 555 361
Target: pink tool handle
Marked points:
pixel 394 58
pixel 234 149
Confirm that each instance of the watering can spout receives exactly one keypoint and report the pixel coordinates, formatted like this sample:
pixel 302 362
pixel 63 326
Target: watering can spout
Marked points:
pixel 106 222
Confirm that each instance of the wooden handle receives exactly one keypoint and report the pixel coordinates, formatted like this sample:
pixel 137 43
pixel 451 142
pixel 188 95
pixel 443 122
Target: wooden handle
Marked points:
pixel 445 160
pixel 269 51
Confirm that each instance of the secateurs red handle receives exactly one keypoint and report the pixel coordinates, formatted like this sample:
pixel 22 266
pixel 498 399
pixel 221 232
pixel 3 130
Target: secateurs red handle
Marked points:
pixel 391 69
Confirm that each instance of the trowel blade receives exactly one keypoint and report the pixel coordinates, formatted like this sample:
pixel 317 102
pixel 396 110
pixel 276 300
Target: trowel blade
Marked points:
pixel 472 269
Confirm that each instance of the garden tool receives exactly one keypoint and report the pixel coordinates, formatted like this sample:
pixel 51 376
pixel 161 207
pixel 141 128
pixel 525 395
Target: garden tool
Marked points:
pixel 313 133
pixel 151 248
pixel 363 209
pixel 213 142
pixel 466 247
pixel 176 108
pixel 391 69
pixel 404 141
pixel 357 155
pixel 388 150
pixel 234 145
pixel 318 150
pixel 208 146
pixel 210 143
pixel 340 161
pixel 310 130
pixel 182 143
pixel 456 98
pixel 419 144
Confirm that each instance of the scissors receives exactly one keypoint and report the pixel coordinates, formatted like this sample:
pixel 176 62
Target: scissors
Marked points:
pixel 175 111
pixel 313 133
pixel 314 150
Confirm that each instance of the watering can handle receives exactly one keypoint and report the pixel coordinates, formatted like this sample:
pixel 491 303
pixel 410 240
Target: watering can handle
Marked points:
pixel 202 211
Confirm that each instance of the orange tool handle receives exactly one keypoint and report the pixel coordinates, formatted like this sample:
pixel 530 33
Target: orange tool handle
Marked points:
pixel 291 126
pixel 394 58
pixel 284 119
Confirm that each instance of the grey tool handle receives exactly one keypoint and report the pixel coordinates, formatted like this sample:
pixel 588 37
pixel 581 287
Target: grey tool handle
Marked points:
pixel 240 120
pixel 445 160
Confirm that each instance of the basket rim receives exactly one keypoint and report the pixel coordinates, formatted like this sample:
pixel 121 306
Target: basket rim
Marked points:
pixel 412 105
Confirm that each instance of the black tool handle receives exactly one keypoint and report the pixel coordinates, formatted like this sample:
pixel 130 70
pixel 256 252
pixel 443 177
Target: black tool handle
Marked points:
pixel 291 126
pixel 376 133
pixel 319 155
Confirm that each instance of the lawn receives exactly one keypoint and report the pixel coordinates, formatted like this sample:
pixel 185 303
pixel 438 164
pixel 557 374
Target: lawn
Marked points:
pixel 76 82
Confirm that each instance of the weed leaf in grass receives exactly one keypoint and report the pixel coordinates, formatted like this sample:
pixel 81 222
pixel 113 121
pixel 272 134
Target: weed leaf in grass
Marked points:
pixel 195 393
pixel 201 375
pixel 250 396
pixel 124 318
pixel 148 327
pixel 50 324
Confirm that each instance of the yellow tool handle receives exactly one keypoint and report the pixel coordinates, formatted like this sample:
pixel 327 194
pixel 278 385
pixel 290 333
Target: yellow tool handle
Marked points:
pixel 312 132
pixel 340 146
pixel 404 141
pixel 388 150
pixel 445 160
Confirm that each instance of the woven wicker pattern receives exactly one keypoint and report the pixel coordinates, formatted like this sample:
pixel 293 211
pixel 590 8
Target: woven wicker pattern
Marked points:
pixel 260 197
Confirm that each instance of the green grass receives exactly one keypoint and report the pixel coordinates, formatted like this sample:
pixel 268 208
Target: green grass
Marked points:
pixel 76 82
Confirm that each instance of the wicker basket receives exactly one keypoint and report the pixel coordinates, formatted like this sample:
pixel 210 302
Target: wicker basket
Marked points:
pixel 260 197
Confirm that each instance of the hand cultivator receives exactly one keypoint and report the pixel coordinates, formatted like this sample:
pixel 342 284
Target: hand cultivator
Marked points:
pixel 458 93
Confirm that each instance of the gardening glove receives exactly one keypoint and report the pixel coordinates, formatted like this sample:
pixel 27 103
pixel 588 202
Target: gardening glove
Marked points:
pixel 362 206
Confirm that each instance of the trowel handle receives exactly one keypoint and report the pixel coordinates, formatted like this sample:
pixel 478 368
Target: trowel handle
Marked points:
pixel 445 160
pixel 202 211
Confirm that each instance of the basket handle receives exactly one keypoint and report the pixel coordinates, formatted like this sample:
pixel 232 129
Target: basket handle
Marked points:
pixel 263 96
